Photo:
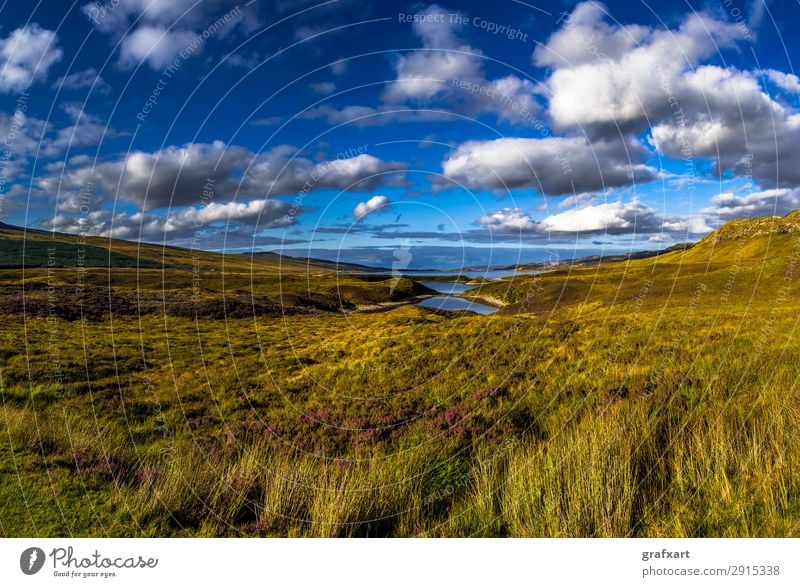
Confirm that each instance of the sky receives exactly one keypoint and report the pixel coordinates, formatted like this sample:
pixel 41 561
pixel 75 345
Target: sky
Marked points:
pixel 398 133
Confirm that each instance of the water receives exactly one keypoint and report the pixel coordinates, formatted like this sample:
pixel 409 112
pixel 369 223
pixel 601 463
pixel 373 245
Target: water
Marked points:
pixel 485 273
pixel 447 287
pixel 456 304
pixel 411 274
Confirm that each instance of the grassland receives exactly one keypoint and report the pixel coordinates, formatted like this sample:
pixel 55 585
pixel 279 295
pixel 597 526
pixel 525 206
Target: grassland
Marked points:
pixel 237 395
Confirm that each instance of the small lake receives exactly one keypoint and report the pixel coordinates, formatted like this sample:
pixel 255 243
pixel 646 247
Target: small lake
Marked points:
pixel 447 287
pixel 456 304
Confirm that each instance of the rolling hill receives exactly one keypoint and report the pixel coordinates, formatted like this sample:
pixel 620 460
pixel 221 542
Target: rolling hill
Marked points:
pixel 116 253
pixel 115 276
pixel 647 397
pixel 746 261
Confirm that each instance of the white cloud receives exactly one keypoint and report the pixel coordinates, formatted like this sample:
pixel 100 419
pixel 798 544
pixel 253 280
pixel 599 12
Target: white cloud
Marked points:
pixel 339 67
pixel 608 77
pixel 156 45
pixel 508 220
pixel 633 217
pixel 421 75
pixel 612 75
pixel 612 217
pixel 585 37
pixel 280 172
pixel 304 33
pixel 554 165
pixel 788 82
pixel 86 78
pixel 447 73
pixel 160 29
pixel 178 224
pixel 28 136
pixel 179 175
pixel 690 224
pixel 115 18
pixel 730 119
pixel 374 204
pixel 774 202
pixel 26 55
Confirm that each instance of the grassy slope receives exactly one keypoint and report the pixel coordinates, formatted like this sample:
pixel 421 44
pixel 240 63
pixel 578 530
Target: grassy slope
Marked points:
pixel 129 278
pixel 652 397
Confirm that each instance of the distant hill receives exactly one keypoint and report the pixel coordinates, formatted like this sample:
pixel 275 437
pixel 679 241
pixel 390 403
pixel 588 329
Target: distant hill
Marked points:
pixel 588 260
pixel 33 248
pixel 315 262
pixel 740 239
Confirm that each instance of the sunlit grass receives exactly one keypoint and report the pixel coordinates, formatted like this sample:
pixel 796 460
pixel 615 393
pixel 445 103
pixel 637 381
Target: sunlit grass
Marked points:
pixel 655 397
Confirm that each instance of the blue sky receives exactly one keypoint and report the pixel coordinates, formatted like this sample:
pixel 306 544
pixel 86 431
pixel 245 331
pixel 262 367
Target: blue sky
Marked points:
pixel 463 132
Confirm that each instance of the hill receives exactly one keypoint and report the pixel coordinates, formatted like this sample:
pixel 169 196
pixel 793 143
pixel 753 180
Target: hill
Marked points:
pixel 745 261
pixel 119 253
pixel 115 276
pixel 652 397
pixel 322 263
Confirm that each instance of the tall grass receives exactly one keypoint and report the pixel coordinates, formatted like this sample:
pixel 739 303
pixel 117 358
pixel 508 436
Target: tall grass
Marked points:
pixel 597 411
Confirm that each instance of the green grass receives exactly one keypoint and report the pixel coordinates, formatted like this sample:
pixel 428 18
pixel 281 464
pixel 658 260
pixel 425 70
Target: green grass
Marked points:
pixel 43 253
pixel 653 397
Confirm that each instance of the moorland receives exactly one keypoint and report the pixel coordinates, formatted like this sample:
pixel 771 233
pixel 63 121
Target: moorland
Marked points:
pixel 157 391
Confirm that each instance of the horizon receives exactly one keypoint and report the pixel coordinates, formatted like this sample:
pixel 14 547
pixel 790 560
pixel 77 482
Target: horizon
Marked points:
pixel 438 260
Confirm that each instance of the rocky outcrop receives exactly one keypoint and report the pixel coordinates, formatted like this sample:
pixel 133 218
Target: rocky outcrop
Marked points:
pixel 755 227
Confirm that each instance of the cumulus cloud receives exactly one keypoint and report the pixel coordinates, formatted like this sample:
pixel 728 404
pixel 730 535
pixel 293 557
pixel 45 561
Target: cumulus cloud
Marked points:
pixel 730 119
pixel 446 73
pixel 774 202
pixel 570 45
pixel 374 204
pixel 608 77
pixel 508 220
pixel 180 175
pixel 27 55
pixel 610 217
pixel 788 82
pixel 162 29
pixel 612 75
pixel 116 18
pixel 173 175
pixel 280 172
pixel 633 217
pixel 177 224
pixel 154 44
pixel 421 75
pixel 554 165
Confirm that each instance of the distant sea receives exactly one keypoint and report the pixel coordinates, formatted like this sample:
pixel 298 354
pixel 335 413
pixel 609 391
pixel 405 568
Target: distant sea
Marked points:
pixel 447 258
